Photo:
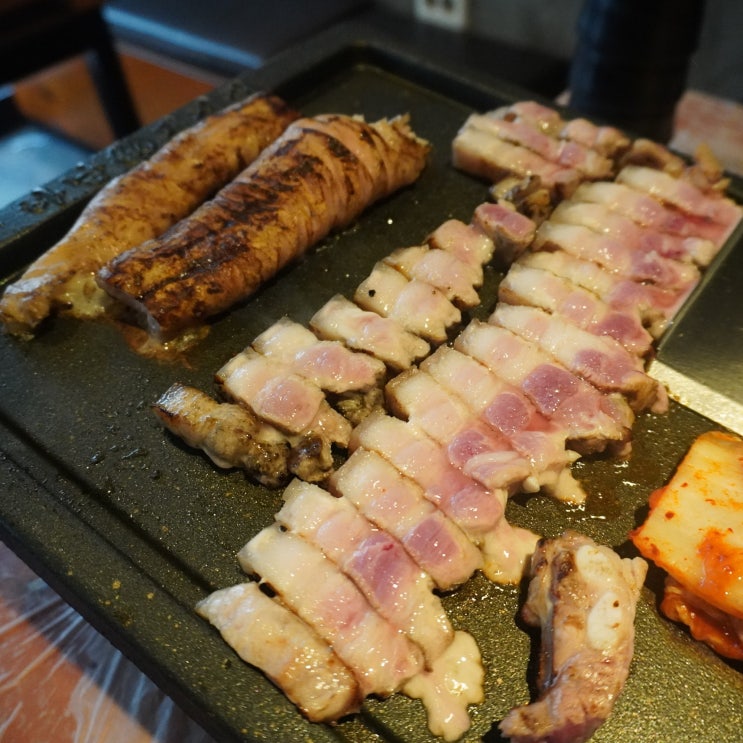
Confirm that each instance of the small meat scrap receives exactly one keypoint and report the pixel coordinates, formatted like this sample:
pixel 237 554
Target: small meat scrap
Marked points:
pixel 583 597
pixel 694 532
pixel 140 205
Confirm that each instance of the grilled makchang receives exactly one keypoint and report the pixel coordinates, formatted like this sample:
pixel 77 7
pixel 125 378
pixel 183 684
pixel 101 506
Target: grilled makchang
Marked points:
pixel 140 205
pixel 319 176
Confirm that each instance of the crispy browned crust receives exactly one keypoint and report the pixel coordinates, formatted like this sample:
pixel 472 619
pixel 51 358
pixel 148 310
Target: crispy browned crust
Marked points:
pixel 140 205
pixel 317 177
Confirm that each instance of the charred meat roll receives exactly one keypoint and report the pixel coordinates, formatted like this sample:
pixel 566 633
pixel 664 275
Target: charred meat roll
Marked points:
pixel 317 177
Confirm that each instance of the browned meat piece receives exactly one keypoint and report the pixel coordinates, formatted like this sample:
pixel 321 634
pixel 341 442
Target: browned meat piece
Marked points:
pixel 140 205
pixel 233 437
pixel 317 177
pixel 583 596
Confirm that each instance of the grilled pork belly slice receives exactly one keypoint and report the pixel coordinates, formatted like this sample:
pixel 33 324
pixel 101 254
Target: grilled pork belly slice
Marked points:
pixel 457 280
pixel 617 255
pixel 694 531
pixel 269 636
pixel 511 232
pixel 600 360
pixel 507 410
pixel 480 451
pixel 233 436
pixel 329 364
pixel 374 560
pixel 557 295
pixel 288 401
pixel 316 178
pixel 339 319
pixel 654 306
pixel 418 307
pixel 467 503
pixel 591 420
pixel 682 194
pixel 139 205
pixel 480 154
pixel 648 212
pixel 563 152
pixel 398 505
pixel 600 218
pixel 583 597
pixel 380 656
pixel 466 241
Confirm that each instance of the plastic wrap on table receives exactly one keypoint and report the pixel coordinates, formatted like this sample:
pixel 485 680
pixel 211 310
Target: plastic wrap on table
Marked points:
pixel 61 680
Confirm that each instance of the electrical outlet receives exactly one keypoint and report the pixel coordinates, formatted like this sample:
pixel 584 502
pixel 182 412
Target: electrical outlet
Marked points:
pixel 451 14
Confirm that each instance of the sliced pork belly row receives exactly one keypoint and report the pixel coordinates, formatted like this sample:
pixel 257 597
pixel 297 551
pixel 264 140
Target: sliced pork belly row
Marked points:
pixel 274 639
pixel 600 360
pixel 616 255
pixel 600 218
pixel 545 290
pixel 654 306
pixel 415 305
pixel 475 509
pixel 352 380
pixel 591 420
pixel 380 656
pixel 563 152
pixel 374 560
pixel 480 451
pixel 648 212
pixel 510 412
pixel 292 403
pixel 583 597
pixel 397 504
pixel 362 330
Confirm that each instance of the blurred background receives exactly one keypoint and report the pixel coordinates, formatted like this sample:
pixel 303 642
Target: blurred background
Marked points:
pixel 77 74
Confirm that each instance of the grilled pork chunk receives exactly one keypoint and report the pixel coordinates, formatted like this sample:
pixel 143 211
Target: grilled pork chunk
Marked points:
pixel 317 177
pixel 271 637
pixel 583 597
pixel 138 206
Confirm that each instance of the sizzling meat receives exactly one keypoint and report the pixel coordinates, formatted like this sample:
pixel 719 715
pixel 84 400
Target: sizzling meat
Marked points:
pixel 583 597
pixel 140 205
pixel 317 177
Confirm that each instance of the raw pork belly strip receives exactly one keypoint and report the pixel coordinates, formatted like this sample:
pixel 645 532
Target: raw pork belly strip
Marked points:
pixel 274 639
pixel 140 205
pixel 232 436
pixel 398 505
pixel 317 177
pixel 591 420
pixel 547 291
pixel 381 657
pixel 375 561
pixel 583 597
